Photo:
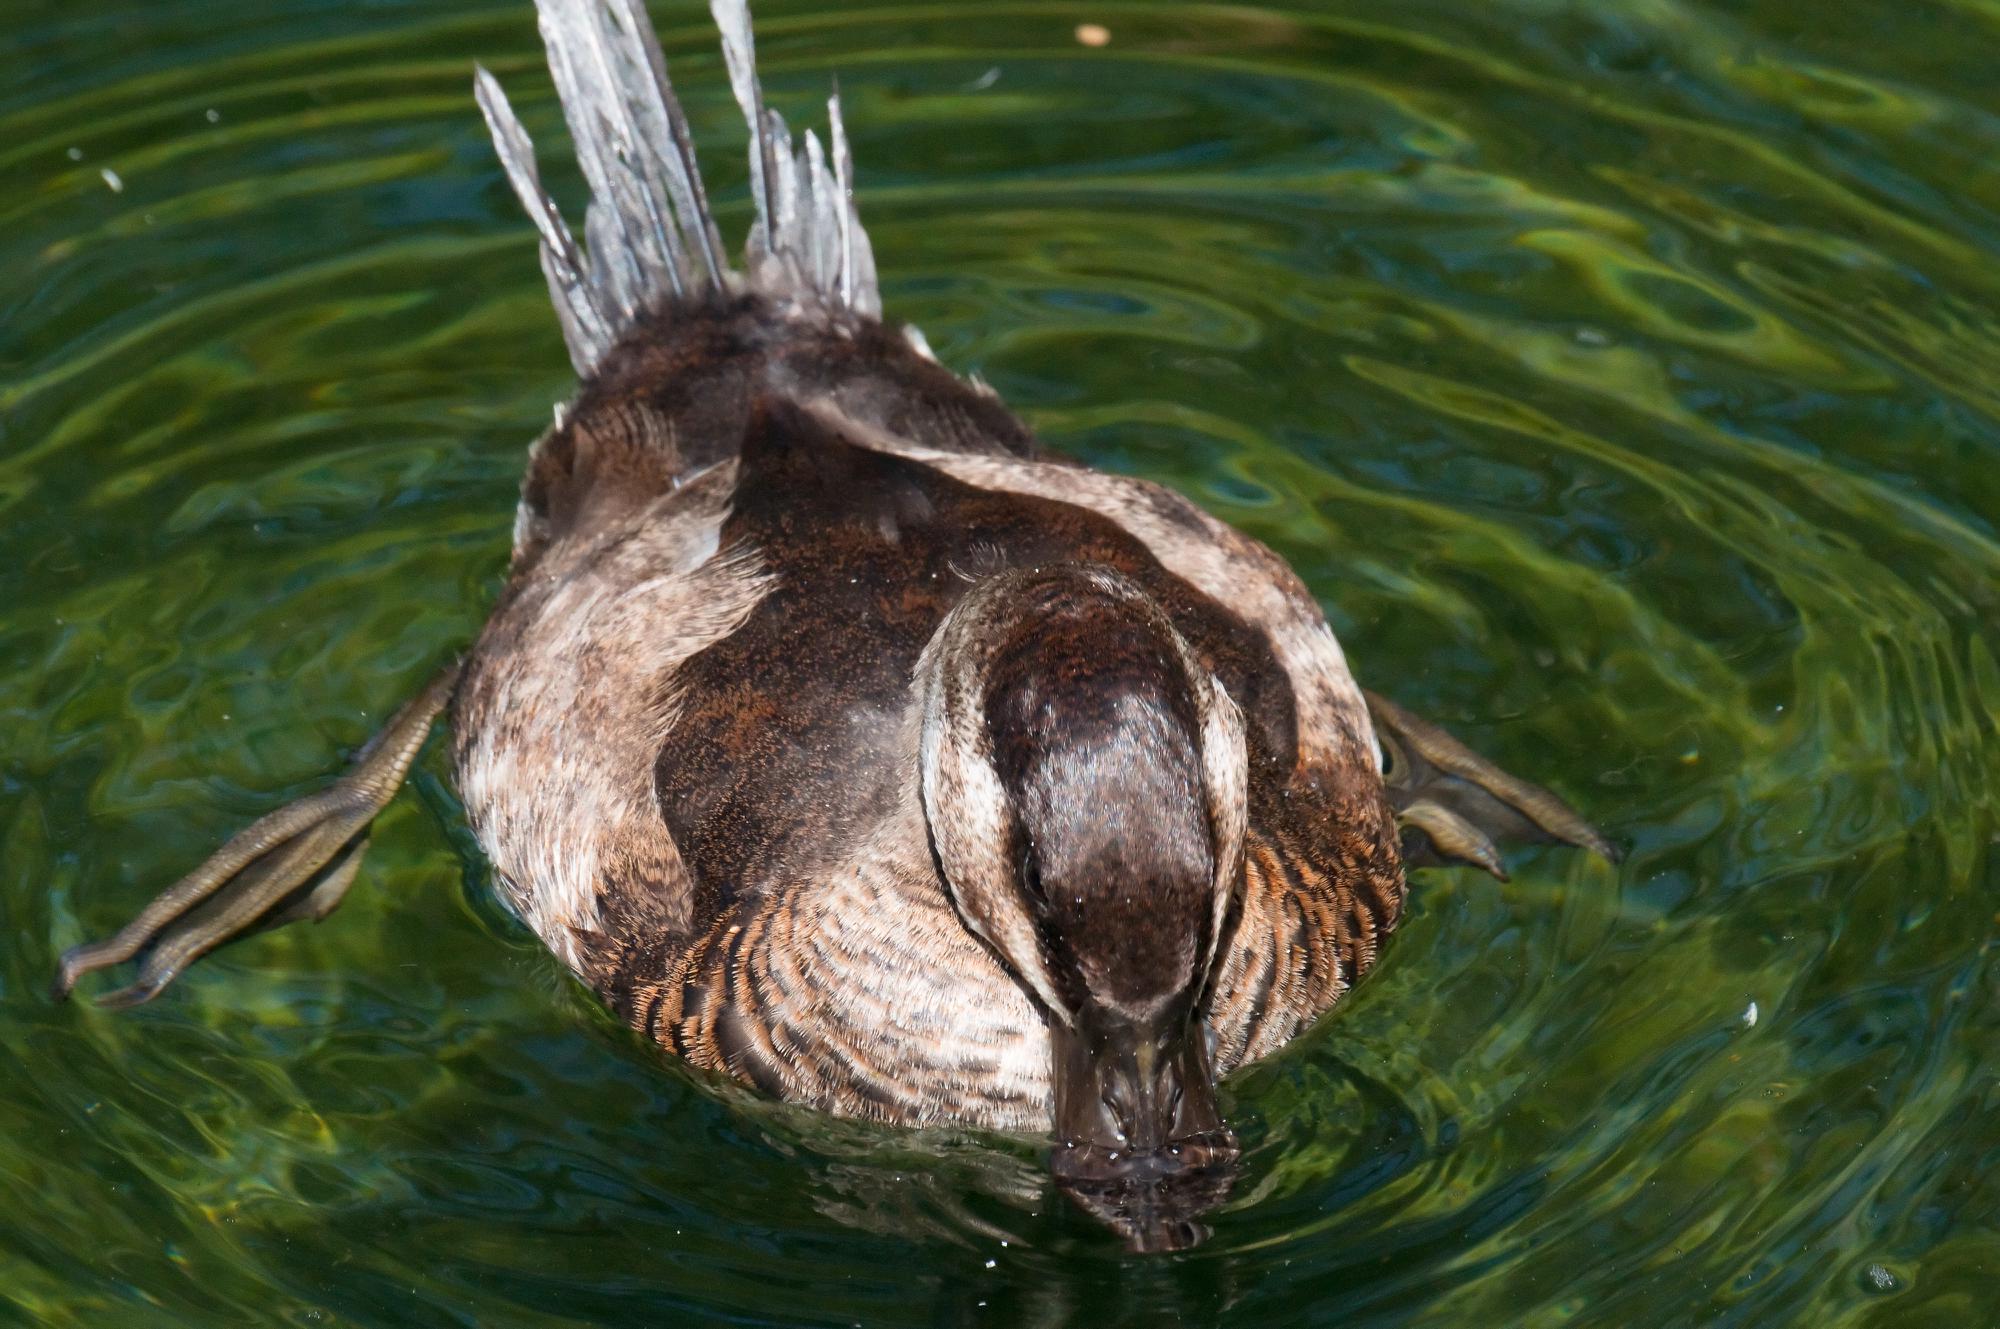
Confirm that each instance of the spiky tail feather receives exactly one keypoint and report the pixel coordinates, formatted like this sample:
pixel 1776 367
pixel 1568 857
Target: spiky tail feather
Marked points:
pixel 649 237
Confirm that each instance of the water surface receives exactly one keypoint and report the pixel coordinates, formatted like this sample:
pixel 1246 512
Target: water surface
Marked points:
pixel 1623 377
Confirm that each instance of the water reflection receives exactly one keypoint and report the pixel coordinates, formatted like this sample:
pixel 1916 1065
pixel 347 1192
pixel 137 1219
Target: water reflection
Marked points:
pixel 1621 377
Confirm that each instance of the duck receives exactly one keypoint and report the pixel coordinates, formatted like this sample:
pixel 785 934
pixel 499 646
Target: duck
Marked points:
pixel 852 745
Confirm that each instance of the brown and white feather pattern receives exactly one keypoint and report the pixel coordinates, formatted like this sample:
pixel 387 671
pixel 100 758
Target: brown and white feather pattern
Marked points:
pixel 849 982
pixel 1215 558
pixel 565 704
pixel 859 992
pixel 1313 914
pixel 649 236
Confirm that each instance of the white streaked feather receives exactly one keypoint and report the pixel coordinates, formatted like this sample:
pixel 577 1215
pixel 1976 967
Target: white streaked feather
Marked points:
pixel 867 293
pixel 583 324
pixel 585 330
pixel 646 145
pixel 649 237
pixel 517 157
pixel 614 267
pixel 823 228
pixel 739 54
pixel 784 185
pixel 843 177
pixel 683 172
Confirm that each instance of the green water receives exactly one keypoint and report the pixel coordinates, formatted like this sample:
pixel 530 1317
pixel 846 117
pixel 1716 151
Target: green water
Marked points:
pixel 1624 377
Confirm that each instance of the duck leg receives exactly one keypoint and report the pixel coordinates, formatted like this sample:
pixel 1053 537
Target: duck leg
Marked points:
pixel 294 864
pixel 1452 803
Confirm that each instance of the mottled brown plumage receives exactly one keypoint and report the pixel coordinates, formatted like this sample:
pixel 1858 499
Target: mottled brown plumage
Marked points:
pixel 849 745
pixel 790 756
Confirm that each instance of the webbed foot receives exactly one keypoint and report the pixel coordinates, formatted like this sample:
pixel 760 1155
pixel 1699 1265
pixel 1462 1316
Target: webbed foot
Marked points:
pixel 1453 804
pixel 294 864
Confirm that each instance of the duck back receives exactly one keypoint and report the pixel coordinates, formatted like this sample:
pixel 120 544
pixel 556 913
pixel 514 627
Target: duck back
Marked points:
pixel 791 740
pixel 686 737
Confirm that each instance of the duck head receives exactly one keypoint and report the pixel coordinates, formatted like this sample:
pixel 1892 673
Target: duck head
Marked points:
pixel 1083 781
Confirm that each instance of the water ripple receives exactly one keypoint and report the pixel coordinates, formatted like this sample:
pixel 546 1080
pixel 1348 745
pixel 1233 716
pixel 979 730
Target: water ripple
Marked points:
pixel 1620 376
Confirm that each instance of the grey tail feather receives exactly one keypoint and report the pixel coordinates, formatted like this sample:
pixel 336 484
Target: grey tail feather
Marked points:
pixel 649 237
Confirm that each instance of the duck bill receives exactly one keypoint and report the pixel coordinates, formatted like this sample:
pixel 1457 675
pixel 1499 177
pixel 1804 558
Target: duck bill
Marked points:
pixel 1140 1140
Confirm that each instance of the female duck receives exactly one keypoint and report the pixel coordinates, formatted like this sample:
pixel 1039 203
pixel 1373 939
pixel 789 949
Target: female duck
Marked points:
pixel 848 745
